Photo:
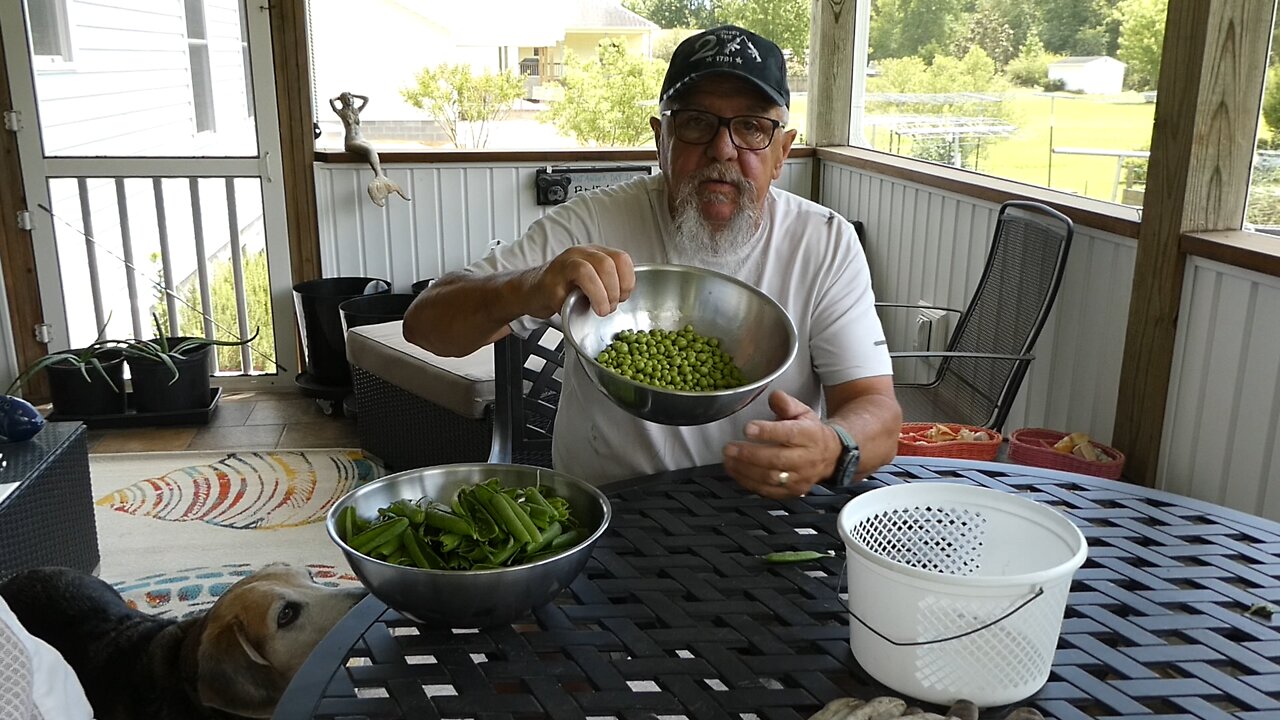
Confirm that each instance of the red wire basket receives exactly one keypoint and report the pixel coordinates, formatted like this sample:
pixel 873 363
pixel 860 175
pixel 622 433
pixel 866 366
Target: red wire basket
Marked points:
pixel 1034 446
pixel 912 441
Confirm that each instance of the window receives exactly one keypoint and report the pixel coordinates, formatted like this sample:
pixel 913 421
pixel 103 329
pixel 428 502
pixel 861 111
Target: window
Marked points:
pixel 201 75
pixel 1056 93
pixel 244 59
pixel 50 31
pixel 553 74
pixel 1263 210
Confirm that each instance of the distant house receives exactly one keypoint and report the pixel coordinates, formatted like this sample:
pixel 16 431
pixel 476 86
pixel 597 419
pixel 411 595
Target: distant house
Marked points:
pixel 1093 75
pixel 584 24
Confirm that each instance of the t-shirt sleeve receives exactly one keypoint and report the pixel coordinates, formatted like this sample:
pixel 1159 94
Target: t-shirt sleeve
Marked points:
pixel 846 339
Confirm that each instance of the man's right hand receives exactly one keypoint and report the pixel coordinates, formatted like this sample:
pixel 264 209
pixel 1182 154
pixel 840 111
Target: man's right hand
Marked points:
pixel 605 275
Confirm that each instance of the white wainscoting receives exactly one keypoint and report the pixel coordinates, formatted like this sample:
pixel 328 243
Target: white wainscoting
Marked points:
pixel 458 209
pixel 1223 418
pixel 927 244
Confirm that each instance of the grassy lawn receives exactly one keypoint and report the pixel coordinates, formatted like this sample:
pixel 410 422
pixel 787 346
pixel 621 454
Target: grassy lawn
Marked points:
pixel 1112 122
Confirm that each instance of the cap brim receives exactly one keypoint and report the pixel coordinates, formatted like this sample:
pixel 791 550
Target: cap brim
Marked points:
pixel 769 92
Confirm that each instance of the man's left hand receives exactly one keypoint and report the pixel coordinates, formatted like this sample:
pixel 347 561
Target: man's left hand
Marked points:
pixel 784 457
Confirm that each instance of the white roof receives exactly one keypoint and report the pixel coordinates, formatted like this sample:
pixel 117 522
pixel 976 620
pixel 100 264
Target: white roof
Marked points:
pixel 1085 60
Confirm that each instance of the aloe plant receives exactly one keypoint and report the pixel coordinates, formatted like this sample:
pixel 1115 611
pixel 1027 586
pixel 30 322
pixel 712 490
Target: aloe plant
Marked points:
pixel 83 358
pixel 159 350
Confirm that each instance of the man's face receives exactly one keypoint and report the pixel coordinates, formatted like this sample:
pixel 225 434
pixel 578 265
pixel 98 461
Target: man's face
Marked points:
pixel 719 197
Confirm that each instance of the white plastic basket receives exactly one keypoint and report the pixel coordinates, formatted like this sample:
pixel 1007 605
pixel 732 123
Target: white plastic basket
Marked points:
pixel 957 591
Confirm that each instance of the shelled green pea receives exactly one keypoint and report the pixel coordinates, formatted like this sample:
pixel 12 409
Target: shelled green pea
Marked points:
pixel 672 359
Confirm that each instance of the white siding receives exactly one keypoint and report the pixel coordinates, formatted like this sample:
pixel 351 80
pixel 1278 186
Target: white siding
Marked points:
pixel 457 210
pixel 1223 415
pixel 931 245
pixel 127 84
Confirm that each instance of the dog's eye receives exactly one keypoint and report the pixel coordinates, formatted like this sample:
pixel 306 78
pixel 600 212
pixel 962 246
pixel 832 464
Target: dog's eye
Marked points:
pixel 288 613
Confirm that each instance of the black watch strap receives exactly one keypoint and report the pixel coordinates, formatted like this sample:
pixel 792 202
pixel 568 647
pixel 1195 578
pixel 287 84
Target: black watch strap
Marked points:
pixel 850 456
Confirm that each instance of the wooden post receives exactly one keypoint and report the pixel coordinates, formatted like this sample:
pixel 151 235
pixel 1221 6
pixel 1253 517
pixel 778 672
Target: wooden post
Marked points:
pixel 16 252
pixel 1210 92
pixel 297 145
pixel 831 50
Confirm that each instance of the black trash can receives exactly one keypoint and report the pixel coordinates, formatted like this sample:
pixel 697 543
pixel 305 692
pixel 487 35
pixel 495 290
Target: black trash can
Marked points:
pixel 324 347
pixel 421 285
pixel 372 309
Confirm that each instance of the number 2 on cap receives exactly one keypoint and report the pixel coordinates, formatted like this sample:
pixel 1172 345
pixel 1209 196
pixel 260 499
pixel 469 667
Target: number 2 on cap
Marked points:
pixel 706 48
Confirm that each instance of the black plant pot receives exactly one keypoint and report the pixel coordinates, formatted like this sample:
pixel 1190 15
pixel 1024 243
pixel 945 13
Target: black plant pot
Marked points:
pixel 155 390
pixel 324 347
pixel 75 397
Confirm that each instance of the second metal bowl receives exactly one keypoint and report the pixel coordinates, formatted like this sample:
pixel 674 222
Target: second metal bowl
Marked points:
pixel 753 328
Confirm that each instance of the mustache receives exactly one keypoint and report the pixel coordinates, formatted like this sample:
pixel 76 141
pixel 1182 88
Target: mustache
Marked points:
pixel 727 173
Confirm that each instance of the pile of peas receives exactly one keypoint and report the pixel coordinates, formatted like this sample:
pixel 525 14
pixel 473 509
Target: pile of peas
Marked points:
pixel 671 359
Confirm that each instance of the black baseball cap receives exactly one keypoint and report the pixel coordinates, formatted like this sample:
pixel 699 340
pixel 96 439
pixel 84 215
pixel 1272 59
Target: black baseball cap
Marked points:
pixel 730 50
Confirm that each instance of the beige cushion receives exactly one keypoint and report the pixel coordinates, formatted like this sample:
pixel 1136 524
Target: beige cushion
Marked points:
pixel 463 385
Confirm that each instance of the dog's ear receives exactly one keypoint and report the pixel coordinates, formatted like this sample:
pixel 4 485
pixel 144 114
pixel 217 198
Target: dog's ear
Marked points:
pixel 233 674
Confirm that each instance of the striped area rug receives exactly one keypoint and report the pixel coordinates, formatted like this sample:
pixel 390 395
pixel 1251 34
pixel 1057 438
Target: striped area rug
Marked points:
pixel 176 529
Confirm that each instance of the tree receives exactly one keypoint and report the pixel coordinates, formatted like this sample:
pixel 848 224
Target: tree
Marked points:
pixel 609 98
pixel 1062 21
pixel 453 95
pixel 905 28
pixel 785 22
pixel 1271 104
pixel 1031 67
pixel 1000 27
pixel 674 13
pixel 1141 40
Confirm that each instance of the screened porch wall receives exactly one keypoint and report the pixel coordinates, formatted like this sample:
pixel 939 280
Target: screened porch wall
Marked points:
pixel 457 210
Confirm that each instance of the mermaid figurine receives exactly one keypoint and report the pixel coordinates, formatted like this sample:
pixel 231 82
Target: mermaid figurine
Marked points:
pixel 380 187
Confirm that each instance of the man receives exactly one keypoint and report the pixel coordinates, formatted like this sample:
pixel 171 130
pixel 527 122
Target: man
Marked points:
pixel 721 143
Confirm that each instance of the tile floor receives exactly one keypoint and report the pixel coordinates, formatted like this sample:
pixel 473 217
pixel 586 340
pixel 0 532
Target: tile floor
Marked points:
pixel 242 421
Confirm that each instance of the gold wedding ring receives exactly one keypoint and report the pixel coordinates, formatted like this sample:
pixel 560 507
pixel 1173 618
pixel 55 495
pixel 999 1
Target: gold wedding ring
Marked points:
pixel 784 477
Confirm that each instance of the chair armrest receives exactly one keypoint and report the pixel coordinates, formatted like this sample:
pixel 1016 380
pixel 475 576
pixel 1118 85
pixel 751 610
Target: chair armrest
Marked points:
pixel 943 354
pixel 920 307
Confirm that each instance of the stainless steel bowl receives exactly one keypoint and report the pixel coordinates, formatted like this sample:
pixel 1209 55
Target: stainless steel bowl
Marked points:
pixel 751 326
pixel 470 598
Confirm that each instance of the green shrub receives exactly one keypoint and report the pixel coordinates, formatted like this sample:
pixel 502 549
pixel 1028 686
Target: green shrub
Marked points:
pixel 222 291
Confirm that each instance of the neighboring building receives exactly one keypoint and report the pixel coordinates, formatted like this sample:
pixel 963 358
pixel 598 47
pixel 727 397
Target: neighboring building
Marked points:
pixel 1093 75
pixel 584 23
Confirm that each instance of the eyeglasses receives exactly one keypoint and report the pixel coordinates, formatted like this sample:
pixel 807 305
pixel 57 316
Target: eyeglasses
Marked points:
pixel 698 127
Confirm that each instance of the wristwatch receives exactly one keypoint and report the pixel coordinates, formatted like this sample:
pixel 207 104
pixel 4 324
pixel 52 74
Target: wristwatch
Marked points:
pixel 850 455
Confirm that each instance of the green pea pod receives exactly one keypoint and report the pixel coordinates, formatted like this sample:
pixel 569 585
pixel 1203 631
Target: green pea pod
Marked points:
pixel 530 528
pixel 796 556
pixel 376 535
pixel 407 509
pixel 347 524
pixel 459 507
pixel 486 527
pixel 448 522
pixel 501 556
pixel 449 541
pixel 505 515
pixel 413 548
pixel 569 539
pixel 541 556
pixel 549 534
pixel 535 498
pixel 542 517
pixel 390 546
pixel 561 506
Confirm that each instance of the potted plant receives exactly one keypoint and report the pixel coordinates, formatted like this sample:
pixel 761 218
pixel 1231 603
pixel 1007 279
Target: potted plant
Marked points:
pixel 172 373
pixel 83 382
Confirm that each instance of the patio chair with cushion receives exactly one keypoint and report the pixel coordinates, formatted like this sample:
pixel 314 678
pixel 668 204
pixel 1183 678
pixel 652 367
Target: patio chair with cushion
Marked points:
pixel 526 395
pixel 987 357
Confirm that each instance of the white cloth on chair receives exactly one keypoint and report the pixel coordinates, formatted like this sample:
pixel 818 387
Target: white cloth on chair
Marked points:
pixel 35 682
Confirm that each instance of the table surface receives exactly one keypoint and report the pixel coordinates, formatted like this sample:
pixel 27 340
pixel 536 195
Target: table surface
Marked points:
pixel 675 615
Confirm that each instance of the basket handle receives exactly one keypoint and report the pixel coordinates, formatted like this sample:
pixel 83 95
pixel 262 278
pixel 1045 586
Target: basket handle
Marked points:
pixel 1038 592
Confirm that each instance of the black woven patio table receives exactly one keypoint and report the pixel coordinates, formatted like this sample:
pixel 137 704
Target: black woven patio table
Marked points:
pixel 676 615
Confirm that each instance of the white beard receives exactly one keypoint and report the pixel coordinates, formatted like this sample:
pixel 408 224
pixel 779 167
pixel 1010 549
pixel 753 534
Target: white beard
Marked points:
pixel 695 242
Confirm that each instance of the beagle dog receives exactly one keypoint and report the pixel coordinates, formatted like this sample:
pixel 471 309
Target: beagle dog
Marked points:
pixel 232 661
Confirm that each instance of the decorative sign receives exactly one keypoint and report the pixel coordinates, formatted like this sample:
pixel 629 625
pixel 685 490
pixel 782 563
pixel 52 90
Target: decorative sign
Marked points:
pixel 555 185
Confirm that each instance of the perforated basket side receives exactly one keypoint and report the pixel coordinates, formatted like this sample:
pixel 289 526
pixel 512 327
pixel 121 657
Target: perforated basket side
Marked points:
pixel 939 539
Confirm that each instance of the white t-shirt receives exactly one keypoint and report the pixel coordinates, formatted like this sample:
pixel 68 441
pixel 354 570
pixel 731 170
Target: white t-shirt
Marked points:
pixel 36 683
pixel 804 256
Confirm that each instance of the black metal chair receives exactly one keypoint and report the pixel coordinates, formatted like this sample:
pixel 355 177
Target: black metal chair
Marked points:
pixel 987 357
pixel 526 393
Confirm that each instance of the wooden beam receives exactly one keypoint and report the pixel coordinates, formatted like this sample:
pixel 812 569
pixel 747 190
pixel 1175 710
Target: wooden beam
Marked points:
pixel 1240 248
pixel 292 64
pixel 830 72
pixel 16 252
pixel 1210 92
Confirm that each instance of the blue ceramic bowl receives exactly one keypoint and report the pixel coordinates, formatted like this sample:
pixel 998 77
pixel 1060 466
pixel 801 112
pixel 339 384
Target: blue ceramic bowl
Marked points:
pixel 19 419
